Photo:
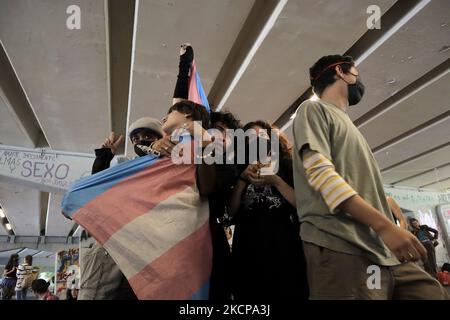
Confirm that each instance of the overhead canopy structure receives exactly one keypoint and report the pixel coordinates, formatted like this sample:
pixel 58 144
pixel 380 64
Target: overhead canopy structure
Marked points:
pixel 64 90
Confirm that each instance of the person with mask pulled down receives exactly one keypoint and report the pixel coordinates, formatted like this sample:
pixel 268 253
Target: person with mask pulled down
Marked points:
pixel 353 248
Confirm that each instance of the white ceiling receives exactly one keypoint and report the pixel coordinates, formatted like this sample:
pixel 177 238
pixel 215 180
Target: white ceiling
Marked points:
pixel 5 254
pixel 406 56
pixel 64 77
pixel 63 72
pixel 24 205
pixel 304 31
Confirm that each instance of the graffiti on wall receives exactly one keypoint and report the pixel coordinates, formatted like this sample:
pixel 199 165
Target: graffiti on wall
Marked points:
pixel 49 168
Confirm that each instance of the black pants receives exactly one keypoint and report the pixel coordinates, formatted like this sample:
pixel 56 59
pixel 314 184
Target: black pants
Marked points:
pixel 268 262
pixel 430 265
pixel 220 283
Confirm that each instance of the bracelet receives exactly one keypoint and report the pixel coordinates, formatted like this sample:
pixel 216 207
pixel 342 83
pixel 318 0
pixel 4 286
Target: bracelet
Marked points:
pixel 153 151
pixel 205 156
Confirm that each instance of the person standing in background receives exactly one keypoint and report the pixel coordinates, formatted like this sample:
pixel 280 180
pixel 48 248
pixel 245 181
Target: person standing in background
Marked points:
pixel 9 277
pixel 24 273
pixel 429 241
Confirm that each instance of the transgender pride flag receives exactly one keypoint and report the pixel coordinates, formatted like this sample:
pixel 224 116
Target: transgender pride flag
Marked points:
pixel 148 214
pixel 196 92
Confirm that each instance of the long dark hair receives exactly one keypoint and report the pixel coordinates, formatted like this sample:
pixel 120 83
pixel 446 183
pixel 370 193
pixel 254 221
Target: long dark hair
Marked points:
pixel 12 262
pixel 285 146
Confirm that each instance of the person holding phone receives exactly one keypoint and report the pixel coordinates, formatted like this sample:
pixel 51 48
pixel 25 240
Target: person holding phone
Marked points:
pixel 268 261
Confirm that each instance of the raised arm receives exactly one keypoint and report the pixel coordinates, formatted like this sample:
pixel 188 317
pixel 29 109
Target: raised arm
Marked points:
pixel 105 154
pixel 181 91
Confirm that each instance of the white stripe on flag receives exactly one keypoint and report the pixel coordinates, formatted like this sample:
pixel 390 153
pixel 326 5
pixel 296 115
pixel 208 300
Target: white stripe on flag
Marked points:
pixel 147 237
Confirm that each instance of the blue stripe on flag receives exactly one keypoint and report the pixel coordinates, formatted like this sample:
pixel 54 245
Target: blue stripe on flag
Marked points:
pixel 86 189
pixel 202 293
pixel 201 93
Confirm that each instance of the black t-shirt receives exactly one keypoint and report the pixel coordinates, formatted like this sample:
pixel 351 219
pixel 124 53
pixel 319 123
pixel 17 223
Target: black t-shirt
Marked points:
pixel 267 200
pixel 12 275
pixel 268 259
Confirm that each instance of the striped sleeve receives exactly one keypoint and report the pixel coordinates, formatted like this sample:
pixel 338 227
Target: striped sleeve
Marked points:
pixel 321 175
pixel 21 273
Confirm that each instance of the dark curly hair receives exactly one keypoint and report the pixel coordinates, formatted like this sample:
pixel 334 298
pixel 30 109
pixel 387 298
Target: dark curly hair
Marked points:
pixel 285 145
pixel 226 118
pixel 322 72
pixel 197 111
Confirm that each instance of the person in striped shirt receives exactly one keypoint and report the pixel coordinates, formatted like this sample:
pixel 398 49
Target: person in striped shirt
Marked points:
pixel 353 248
pixel 24 271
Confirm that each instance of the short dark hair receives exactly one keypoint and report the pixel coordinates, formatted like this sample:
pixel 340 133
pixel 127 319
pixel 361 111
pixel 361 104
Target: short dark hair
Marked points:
pixel 40 286
pixel 226 118
pixel 29 259
pixel 446 267
pixel 411 220
pixel 198 112
pixel 322 73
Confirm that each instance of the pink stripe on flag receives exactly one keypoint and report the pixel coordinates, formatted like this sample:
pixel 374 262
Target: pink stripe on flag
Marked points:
pixel 178 273
pixel 133 197
pixel 193 90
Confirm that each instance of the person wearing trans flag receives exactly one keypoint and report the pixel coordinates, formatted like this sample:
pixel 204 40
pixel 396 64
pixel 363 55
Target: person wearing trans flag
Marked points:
pixel 150 214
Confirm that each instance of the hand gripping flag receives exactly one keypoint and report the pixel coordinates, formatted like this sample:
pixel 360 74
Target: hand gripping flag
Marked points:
pixel 148 214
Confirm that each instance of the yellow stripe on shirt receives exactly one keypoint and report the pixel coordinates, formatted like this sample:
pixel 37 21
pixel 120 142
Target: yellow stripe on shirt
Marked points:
pixel 344 196
pixel 321 175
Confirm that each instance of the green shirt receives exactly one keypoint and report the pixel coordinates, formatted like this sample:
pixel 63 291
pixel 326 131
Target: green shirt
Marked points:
pixel 328 130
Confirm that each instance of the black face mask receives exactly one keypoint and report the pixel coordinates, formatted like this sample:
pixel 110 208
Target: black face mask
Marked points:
pixel 355 92
pixel 138 150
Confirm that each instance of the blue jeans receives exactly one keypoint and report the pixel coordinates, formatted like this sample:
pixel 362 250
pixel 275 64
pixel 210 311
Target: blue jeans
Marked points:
pixel 21 294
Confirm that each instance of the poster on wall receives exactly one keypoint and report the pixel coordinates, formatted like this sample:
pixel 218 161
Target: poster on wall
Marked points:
pixel 443 213
pixel 67 272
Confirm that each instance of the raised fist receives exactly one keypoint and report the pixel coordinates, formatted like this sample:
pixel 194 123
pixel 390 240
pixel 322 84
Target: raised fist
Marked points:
pixel 186 53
